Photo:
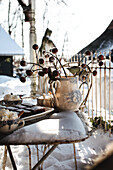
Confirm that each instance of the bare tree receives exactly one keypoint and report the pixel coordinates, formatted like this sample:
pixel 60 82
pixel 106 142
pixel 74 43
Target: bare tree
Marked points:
pixel 65 42
pixel 15 21
pixel 12 21
pixel 26 9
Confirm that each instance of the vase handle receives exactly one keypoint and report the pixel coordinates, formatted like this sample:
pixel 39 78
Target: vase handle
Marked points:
pixel 85 100
pixel 57 85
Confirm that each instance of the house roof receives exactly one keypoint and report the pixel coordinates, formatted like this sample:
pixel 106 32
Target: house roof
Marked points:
pixel 103 42
pixel 8 47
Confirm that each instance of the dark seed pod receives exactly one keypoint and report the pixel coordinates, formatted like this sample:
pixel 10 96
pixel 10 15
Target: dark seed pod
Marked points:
pixel 23 63
pixel 41 61
pixel 100 63
pixel 51 59
pixel 54 50
pixel 55 73
pixel 35 46
pixel 43 52
pixel 94 73
pixel 23 79
pixel 87 52
pixel 101 57
pixel 29 72
pixel 46 55
pixel 41 73
pixel 83 65
pixel 45 70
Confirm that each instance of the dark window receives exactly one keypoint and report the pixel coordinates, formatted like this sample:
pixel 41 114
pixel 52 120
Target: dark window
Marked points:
pixel 6 67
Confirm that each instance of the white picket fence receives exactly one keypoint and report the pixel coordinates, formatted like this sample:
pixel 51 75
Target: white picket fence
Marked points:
pixel 100 99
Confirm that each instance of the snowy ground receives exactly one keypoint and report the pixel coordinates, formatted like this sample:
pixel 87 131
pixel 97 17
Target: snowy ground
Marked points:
pixel 63 156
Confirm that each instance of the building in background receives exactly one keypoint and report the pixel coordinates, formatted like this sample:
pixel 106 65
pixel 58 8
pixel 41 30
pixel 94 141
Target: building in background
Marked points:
pixel 8 49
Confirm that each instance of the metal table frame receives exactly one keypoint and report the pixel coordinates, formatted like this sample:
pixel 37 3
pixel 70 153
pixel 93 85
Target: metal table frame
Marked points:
pixel 37 165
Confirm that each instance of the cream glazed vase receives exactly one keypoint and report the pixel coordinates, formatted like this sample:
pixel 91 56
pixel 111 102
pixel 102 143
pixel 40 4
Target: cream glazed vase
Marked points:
pixel 66 94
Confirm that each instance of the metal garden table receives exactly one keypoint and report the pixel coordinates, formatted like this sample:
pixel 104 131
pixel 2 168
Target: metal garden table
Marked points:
pixel 57 128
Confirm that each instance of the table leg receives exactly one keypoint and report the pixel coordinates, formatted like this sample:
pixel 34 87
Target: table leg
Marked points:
pixel 75 155
pixel 45 147
pixel 44 157
pixel 29 156
pixel 11 157
pixel 4 158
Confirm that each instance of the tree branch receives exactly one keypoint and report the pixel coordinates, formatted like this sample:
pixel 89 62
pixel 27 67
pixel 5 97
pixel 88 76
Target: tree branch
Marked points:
pixel 23 5
pixel 26 10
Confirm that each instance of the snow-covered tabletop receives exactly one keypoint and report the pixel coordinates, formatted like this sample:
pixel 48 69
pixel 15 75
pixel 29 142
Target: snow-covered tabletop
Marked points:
pixel 62 127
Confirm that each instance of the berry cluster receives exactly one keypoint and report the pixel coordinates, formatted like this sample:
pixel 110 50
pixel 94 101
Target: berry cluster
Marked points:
pixel 98 60
pixel 82 70
pixel 53 73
